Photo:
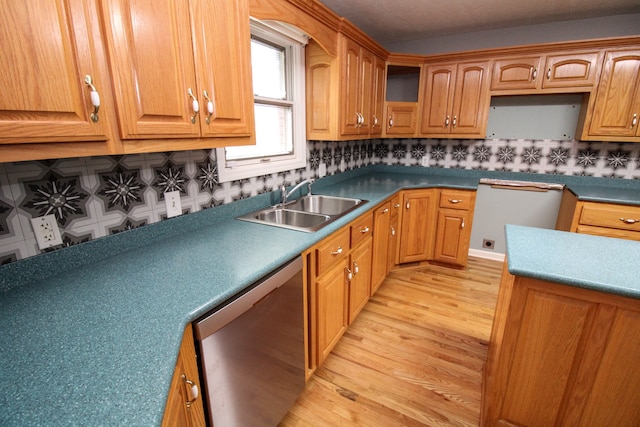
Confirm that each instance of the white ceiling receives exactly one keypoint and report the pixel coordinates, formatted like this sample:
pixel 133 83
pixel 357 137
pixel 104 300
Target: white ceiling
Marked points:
pixel 391 21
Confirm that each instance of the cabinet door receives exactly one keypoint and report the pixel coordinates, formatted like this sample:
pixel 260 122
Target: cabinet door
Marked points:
pixel 452 236
pixel 402 118
pixel 516 73
pixel 350 118
pixel 377 103
pixel 365 90
pixel 332 300
pixel 617 103
pixel 381 232
pixel 223 61
pixel 438 86
pixel 152 64
pixel 471 99
pixel 394 234
pixel 360 283
pixel 571 70
pixel 417 225
pixel 47 50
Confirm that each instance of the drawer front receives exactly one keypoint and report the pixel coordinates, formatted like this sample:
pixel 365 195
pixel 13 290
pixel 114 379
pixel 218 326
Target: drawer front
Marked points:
pixel 361 229
pixel 332 249
pixel 609 232
pixel 611 216
pixel 457 199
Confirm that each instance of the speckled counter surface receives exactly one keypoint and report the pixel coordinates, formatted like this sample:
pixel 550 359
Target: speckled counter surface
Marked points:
pixel 581 260
pixel 90 333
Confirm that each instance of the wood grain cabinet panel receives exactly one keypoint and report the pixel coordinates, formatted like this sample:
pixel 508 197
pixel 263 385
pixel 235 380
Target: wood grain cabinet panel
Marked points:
pixel 47 50
pixel 455 100
pixel 381 239
pixel 417 225
pixel 613 112
pixel 180 69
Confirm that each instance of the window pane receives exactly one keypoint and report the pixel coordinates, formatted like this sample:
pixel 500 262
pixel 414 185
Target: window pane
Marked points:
pixel 273 134
pixel 268 67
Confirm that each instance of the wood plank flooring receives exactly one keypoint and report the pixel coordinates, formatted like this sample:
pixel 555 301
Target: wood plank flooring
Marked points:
pixel 413 357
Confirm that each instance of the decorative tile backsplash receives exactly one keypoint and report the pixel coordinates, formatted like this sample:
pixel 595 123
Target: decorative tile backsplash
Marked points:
pixel 98 196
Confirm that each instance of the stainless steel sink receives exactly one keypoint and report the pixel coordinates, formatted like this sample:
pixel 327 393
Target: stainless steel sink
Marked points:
pixel 309 213
pixel 327 205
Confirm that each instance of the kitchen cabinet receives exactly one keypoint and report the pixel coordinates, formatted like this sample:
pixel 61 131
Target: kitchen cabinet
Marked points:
pixel 360 265
pixel 345 93
pixel 417 225
pixel 394 232
pixel 601 219
pixel 51 75
pixel 180 69
pixel 569 71
pixel 613 111
pixel 453 233
pixel 561 355
pixel 184 405
pixel 402 118
pixel 381 240
pixel 456 100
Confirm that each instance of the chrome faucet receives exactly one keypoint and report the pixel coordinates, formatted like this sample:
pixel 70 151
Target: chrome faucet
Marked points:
pixel 285 195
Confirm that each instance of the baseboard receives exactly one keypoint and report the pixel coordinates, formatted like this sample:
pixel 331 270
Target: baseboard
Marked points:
pixel 478 253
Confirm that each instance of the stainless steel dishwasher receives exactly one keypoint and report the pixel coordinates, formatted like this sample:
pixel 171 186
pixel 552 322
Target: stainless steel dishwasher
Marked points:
pixel 252 351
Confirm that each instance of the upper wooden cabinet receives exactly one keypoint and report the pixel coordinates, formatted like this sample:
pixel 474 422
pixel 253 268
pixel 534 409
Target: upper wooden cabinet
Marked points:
pixel 613 111
pixel 354 81
pixel 565 72
pixel 180 69
pixel 456 99
pixel 48 51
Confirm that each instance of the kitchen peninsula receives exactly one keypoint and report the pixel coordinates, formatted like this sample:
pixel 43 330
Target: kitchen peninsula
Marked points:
pixel 91 332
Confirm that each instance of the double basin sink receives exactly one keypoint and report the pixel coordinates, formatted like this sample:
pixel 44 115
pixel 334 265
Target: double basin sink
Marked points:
pixel 308 213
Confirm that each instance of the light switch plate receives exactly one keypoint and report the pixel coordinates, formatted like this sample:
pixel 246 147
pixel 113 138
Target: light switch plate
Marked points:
pixel 322 170
pixel 172 200
pixel 46 230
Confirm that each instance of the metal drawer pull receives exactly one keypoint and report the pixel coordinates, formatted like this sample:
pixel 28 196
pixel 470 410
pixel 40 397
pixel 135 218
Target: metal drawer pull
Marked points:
pixel 356 269
pixel 364 230
pixel 393 231
pixel 385 210
pixel 635 120
pixel 455 201
pixel 349 274
pixel 397 205
pixel 446 122
pixel 462 225
pixel 535 74
pixel 95 98
pixel 390 122
pixel 193 389
pixel 549 74
pixel 375 120
pixel 209 107
pixel 455 121
pixel 338 251
pixel 194 104
pixel 629 220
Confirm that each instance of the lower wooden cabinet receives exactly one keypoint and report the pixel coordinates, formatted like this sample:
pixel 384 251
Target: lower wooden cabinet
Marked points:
pixel 600 219
pixel 381 239
pixel 453 232
pixel 561 355
pixel 184 404
pixel 417 225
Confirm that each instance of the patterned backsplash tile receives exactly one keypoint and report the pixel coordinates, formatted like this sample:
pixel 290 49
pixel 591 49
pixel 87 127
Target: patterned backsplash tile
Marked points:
pixel 98 196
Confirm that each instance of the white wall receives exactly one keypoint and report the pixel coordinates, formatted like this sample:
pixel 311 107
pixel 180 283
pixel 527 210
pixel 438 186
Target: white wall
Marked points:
pixel 608 26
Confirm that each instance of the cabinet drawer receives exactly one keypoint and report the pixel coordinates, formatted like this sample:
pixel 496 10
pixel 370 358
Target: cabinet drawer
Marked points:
pixel 361 229
pixel 609 232
pixel 457 199
pixel 332 249
pixel 611 216
pixel 395 206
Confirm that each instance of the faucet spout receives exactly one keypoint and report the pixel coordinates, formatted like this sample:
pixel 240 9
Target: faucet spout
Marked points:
pixel 286 195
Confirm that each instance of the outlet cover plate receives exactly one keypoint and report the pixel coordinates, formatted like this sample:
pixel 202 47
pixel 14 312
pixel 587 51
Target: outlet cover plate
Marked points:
pixel 46 231
pixel 172 200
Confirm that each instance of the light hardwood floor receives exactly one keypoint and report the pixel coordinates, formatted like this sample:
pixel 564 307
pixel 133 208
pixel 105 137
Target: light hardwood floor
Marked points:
pixel 413 357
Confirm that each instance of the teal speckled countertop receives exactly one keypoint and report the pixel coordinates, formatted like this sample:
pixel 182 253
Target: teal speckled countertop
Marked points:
pixel 90 333
pixel 581 260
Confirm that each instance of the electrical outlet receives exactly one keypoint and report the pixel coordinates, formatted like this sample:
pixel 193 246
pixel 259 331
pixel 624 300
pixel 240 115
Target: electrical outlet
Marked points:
pixel 46 231
pixel 488 244
pixel 172 200
pixel 322 170
pixel 424 161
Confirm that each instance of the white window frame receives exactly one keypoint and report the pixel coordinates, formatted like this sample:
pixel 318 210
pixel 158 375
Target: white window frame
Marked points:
pixel 294 41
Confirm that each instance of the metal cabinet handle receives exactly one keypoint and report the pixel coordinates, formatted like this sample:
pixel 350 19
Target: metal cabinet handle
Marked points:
pixel 385 210
pixel 349 274
pixel 393 231
pixel 209 107
pixel 364 230
pixel 455 201
pixel 337 251
pixel 356 268
pixel 535 74
pixel 629 220
pixel 549 74
pixel 397 205
pixel 455 121
pixel 635 120
pixel 390 122
pixel 446 122
pixel 95 98
pixel 193 389
pixel 462 225
pixel 408 205
pixel 194 105
pixel 375 120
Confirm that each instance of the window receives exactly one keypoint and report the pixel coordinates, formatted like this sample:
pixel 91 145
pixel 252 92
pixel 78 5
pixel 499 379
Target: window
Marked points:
pixel 277 61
